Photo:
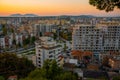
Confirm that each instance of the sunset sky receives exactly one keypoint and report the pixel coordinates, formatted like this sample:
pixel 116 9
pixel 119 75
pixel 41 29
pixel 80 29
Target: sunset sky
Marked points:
pixel 51 7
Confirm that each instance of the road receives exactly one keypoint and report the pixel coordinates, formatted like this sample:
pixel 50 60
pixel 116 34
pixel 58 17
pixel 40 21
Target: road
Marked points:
pixel 21 50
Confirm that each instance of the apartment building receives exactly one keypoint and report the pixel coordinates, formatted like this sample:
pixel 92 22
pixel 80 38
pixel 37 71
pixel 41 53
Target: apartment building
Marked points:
pixel 1 29
pixel 43 28
pixel 2 42
pixel 47 48
pixel 102 37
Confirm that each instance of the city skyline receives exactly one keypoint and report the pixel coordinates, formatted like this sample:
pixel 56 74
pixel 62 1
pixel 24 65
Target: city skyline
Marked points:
pixel 52 8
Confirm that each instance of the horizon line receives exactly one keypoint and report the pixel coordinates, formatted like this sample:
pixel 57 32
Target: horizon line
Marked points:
pixel 23 15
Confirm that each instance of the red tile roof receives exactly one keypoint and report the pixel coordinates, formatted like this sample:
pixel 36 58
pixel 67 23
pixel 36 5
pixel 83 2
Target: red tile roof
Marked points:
pixel 13 77
pixel 48 33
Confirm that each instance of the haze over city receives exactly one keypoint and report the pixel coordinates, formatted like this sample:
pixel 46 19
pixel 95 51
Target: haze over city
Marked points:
pixel 59 39
pixel 52 8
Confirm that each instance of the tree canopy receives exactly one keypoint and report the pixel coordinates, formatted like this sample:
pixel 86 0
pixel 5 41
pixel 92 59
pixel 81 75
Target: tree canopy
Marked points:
pixel 50 71
pixel 107 5
pixel 10 64
pixel 33 39
pixel 2 78
pixel 116 78
pixel 4 29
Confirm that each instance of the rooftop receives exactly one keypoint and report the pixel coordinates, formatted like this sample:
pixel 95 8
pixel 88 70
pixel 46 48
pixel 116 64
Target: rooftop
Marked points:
pixel 48 48
pixel 47 43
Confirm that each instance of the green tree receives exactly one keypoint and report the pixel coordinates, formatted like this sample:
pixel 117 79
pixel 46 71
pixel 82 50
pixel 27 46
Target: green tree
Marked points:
pixel 69 36
pixel 37 74
pixel 26 41
pixel 54 36
pixel 107 5
pixel 4 29
pixel 40 34
pixel 12 30
pixel 66 76
pixel 50 71
pixel 14 42
pixel 116 78
pixel 10 64
pixel 19 44
pixel 33 39
pixel 65 47
pixel 2 78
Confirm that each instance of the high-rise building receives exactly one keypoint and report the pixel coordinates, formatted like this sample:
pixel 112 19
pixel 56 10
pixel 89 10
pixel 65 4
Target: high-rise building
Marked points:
pixel 47 48
pixel 97 38
pixel 42 28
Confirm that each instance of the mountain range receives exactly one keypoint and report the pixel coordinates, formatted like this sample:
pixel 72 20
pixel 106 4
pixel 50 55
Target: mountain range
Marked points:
pixel 34 15
pixel 25 15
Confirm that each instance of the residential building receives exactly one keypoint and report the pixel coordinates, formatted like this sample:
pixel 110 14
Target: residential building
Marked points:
pixel 1 29
pixel 42 28
pixel 47 48
pixel 10 40
pixel 102 37
pixel 2 42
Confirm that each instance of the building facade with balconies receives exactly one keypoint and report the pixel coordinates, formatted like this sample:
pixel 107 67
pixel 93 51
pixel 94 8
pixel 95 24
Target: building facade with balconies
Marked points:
pixel 102 37
pixel 47 48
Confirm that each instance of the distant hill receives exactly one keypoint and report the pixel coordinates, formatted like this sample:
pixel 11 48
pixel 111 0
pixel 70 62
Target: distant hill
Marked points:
pixel 89 16
pixel 16 15
pixel 30 15
pixel 84 16
pixel 61 16
pixel 25 15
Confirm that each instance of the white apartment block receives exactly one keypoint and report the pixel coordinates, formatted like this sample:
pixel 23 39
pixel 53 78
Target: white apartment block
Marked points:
pixel 10 41
pixel 2 42
pixel 47 48
pixel 43 28
pixel 1 29
pixel 98 38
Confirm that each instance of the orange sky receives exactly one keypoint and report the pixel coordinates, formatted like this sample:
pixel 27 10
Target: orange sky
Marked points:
pixel 52 7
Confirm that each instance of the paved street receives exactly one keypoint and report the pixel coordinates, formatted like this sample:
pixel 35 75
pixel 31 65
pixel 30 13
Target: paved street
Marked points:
pixel 21 50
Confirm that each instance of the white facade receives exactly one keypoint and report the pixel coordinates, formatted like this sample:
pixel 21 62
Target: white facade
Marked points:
pixel 47 48
pixel 10 40
pixel 73 61
pixel 2 42
pixel 97 38
pixel 43 28
pixel 1 29
pixel 18 38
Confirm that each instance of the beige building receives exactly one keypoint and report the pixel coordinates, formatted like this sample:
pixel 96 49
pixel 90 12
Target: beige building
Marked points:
pixel 47 48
